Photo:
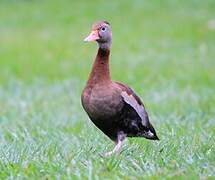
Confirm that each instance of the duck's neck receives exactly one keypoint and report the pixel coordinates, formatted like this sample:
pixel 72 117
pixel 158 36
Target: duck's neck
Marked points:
pixel 100 71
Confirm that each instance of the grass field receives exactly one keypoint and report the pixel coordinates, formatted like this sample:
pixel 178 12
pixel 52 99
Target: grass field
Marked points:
pixel 165 50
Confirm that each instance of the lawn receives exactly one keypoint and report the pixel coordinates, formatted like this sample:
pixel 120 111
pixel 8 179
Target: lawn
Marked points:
pixel 165 50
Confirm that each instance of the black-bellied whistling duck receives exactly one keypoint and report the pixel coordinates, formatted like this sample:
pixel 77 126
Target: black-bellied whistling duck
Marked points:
pixel 112 106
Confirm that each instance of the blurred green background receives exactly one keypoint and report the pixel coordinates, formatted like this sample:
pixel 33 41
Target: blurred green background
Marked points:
pixel 165 50
pixel 154 38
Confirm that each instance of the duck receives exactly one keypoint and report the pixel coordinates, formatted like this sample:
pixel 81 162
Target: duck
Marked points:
pixel 113 107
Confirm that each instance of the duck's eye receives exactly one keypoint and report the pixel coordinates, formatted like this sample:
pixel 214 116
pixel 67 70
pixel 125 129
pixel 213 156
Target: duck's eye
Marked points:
pixel 103 29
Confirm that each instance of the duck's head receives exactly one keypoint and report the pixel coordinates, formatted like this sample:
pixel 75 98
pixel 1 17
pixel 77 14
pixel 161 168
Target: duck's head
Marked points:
pixel 101 33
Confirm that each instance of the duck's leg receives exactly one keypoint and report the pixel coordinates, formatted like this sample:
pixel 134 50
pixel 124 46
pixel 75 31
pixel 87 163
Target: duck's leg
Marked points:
pixel 118 144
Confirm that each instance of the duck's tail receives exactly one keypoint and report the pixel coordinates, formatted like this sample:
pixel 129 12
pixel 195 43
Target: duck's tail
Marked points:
pixel 149 133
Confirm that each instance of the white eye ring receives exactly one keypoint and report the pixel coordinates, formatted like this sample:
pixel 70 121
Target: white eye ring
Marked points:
pixel 103 29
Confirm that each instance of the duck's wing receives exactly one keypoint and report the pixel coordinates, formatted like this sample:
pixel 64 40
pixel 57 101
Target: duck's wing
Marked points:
pixel 135 106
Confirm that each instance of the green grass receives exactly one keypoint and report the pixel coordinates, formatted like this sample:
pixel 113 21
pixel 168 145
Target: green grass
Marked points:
pixel 165 50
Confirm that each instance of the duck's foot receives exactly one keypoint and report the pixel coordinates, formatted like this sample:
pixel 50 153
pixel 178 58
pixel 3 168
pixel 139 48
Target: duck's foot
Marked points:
pixel 120 139
pixel 108 154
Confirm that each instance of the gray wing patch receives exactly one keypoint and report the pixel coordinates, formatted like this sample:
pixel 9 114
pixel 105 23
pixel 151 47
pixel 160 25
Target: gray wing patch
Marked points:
pixel 129 99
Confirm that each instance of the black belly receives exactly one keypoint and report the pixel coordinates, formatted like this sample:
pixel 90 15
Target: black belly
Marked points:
pixel 108 126
pixel 127 121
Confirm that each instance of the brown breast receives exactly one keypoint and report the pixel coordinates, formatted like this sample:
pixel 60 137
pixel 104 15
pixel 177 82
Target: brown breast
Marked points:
pixel 102 101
